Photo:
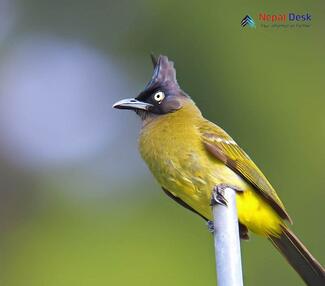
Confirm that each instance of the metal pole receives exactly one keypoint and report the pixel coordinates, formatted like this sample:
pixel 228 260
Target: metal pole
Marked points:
pixel 227 242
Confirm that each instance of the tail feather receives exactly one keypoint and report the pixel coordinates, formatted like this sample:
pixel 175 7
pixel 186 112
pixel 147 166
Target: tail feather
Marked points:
pixel 310 270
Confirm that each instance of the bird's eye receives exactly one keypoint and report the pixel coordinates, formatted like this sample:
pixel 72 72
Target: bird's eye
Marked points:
pixel 159 96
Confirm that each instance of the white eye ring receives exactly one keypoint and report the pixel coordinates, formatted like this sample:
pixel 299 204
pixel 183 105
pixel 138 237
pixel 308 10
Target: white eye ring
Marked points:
pixel 159 96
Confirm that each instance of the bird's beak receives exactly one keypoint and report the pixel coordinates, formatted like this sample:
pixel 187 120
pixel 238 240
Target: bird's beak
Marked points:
pixel 132 103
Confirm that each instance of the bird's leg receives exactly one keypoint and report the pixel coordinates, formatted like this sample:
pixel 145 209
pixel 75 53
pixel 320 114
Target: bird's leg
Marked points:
pixel 218 194
pixel 215 199
pixel 219 198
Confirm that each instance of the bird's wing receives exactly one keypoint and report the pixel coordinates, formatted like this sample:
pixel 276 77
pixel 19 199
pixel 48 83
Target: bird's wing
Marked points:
pixel 218 143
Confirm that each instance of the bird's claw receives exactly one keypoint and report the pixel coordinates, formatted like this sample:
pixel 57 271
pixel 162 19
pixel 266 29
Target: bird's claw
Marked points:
pixel 218 194
pixel 210 226
pixel 218 198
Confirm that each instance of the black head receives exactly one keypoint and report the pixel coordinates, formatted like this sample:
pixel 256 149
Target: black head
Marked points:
pixel 161 95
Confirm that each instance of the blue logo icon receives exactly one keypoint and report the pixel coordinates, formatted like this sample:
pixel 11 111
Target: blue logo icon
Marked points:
pixel 248 21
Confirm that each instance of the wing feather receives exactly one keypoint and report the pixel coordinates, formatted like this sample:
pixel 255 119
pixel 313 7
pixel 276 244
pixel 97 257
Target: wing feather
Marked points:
pixel 218 143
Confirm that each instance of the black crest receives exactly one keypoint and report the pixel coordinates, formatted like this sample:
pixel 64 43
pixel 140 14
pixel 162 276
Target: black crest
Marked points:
pixel 164 73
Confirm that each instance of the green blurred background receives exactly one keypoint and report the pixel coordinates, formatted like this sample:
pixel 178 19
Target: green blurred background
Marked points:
pixel 77 204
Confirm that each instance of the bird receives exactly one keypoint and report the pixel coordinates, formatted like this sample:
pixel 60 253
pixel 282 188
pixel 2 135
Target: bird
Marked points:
pixel 193 158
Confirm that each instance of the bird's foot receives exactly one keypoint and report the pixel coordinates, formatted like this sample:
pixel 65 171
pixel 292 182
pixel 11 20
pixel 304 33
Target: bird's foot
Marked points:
pixel 218 194
pixel 210 226
pixel 243 230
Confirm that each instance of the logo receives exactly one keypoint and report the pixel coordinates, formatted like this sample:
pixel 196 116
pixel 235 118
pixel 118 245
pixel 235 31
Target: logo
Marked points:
pixel 284 18
pixel 248 21
pixel 279 20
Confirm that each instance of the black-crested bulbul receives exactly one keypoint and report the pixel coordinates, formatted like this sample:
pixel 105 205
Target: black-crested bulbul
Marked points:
pixel 190 156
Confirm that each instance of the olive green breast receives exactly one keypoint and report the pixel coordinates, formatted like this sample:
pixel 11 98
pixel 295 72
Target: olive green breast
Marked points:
pixel 172 148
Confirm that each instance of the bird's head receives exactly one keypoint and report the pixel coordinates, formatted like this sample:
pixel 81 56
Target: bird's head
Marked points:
pixel 161 95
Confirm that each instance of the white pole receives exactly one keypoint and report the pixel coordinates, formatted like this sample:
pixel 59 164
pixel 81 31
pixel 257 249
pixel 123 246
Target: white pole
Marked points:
pixel 227 242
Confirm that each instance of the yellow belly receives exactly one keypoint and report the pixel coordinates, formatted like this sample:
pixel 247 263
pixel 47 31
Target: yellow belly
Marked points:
pixel 257 215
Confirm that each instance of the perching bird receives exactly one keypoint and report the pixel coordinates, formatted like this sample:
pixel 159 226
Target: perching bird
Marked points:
pixel 190 157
